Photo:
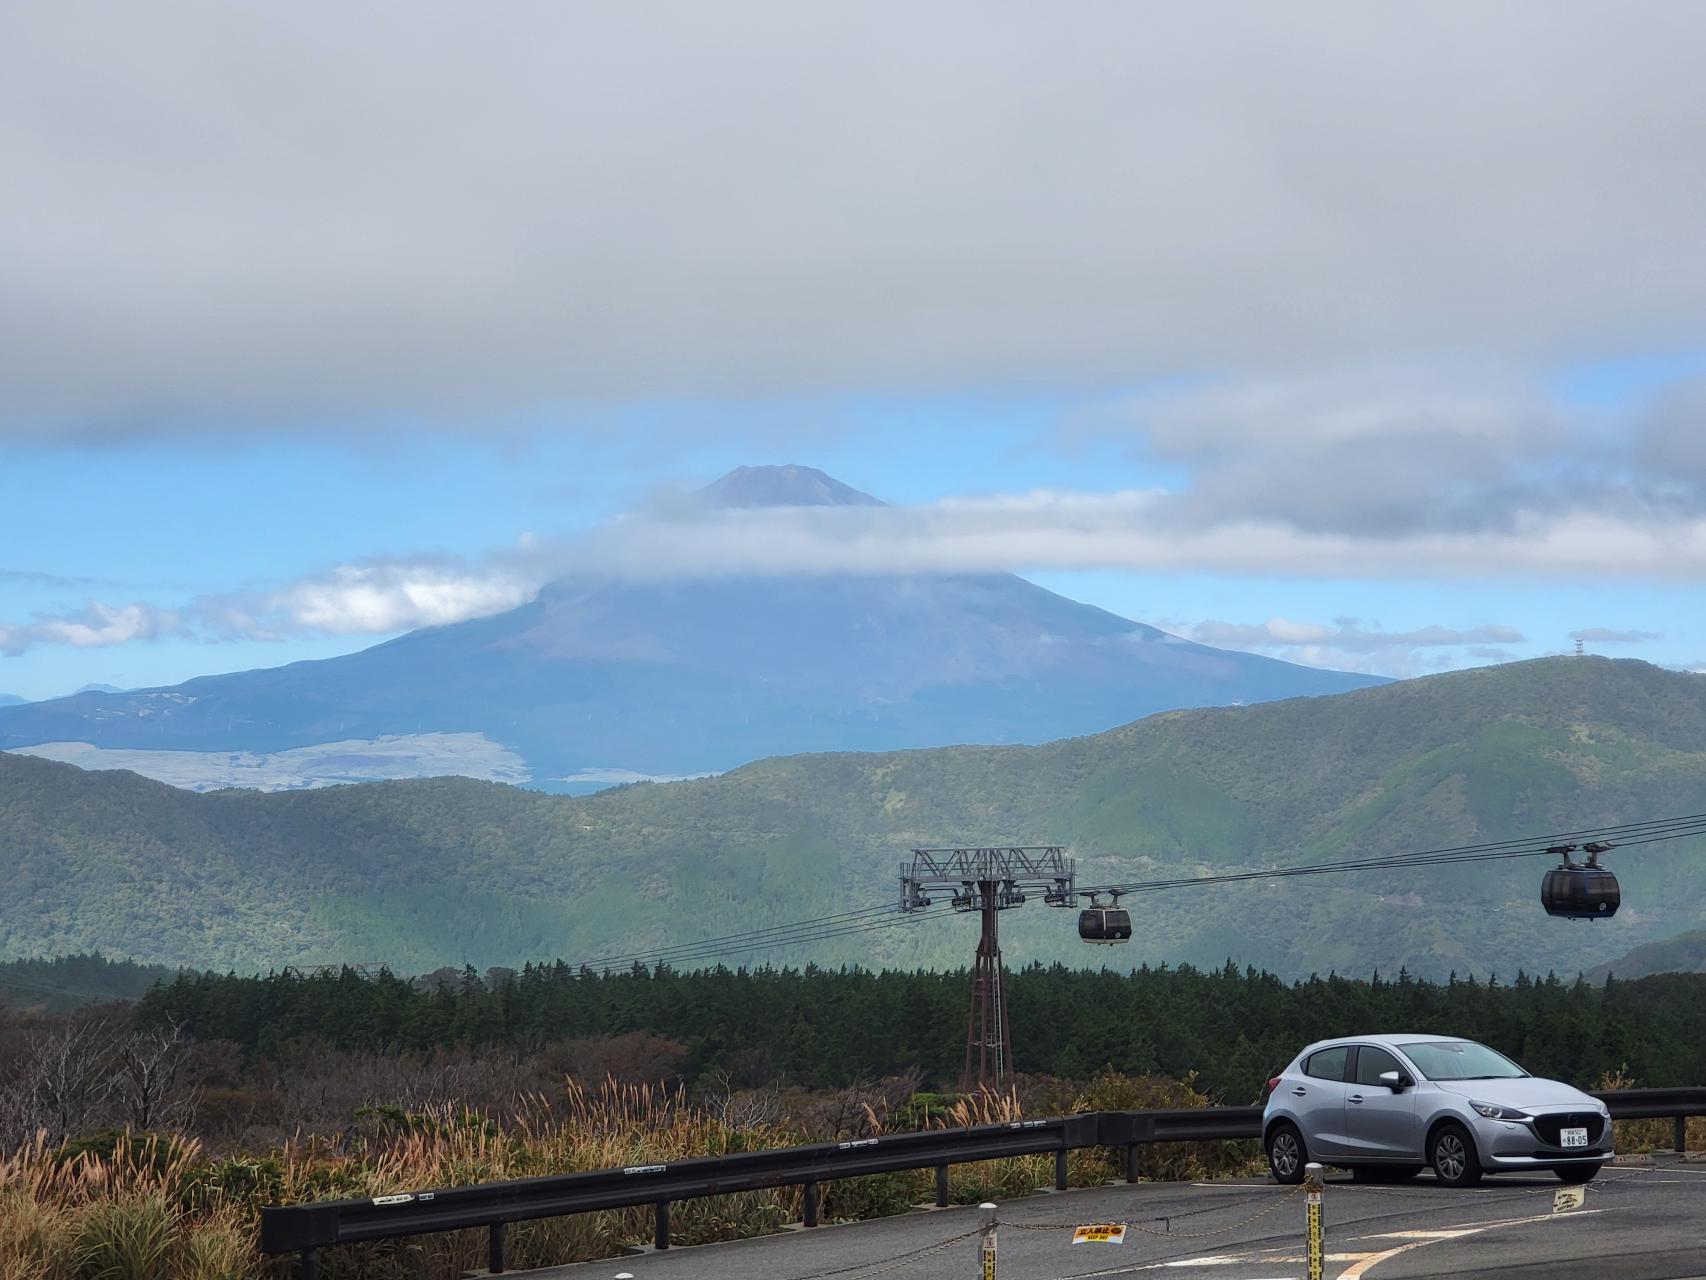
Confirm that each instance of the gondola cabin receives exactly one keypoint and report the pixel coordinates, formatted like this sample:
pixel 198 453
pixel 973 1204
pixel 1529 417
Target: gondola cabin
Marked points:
pixel 1101 923
pixel 1576 891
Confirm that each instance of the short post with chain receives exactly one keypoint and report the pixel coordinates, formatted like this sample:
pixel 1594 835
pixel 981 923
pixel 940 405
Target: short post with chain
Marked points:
pixel 1312 1185
pixel 986 1253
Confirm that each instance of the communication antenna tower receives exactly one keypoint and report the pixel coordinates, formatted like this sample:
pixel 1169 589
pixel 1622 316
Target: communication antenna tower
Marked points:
pixel 987 881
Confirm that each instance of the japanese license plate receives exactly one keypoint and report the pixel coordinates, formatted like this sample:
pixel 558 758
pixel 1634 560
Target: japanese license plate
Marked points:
pixel 1572 1137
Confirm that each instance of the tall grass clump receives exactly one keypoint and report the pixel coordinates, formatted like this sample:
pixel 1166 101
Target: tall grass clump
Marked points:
pixel 144 1207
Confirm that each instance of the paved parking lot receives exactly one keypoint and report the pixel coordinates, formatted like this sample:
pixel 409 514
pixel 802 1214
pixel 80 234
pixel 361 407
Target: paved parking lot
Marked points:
pixel 1637 1223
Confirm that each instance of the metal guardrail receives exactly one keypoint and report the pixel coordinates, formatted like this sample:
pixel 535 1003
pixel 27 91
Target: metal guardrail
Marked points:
pixel 305 1229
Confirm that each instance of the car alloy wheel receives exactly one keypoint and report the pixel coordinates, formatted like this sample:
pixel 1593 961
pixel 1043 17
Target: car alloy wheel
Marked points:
pixel 1456 1162
pixel 1449 1156
pixel 1285 1154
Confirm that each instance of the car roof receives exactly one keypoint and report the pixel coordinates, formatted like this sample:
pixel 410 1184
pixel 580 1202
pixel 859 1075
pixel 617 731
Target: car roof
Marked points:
pixel 1390 1039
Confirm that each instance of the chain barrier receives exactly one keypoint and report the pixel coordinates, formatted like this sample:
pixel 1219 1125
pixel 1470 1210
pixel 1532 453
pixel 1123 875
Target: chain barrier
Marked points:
pixel 1164 1233
pixel 879 1266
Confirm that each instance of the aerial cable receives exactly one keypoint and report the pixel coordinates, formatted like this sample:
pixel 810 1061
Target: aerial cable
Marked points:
pixel 878 917
pixel 1624 835
pixel 689 953
pixel 807 924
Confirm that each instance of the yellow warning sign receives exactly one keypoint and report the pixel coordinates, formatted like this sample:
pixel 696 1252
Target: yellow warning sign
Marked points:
pixel 1569 1198
pixel 1101 1233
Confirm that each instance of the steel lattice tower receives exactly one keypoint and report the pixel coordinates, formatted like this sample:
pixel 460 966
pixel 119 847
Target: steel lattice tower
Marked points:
pixel 988 881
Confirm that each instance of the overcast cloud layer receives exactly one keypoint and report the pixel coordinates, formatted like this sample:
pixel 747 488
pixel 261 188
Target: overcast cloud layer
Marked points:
pixel 222 217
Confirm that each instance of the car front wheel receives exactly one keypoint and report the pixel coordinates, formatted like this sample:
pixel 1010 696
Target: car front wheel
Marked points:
pixel 1454 1158
pixel 1286 1154
pixel 1576 1172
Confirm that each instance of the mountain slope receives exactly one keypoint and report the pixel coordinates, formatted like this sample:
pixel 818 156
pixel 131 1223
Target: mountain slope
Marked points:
pixel 682 677
pixel 1685 953
pixel 423 873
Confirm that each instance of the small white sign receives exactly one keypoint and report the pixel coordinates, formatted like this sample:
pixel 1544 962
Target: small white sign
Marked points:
pixel 404 1199
pixel 1566 1198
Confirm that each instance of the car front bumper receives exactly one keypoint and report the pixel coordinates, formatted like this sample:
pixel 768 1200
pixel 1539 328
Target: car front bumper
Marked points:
pixel 1508 1145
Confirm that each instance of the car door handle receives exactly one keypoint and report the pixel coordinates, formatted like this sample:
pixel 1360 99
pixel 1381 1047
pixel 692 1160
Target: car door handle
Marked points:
pixel 1355 1097
pixel 1300 1091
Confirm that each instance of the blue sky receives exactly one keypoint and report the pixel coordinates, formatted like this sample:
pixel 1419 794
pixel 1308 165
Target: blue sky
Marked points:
pixel 304 341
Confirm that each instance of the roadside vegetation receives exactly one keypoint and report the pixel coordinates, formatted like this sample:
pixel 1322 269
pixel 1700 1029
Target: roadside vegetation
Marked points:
pixel 160 1206
pixel 142 1140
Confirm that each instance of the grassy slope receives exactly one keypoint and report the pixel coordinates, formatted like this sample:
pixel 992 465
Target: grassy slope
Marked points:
pixel 423 873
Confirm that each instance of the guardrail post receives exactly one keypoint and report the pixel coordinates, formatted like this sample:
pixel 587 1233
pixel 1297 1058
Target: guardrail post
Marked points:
pixel 1060 1170
pixel 808 1214
pixel 986 1252
pixel 1681 1134
pixel 495 1249
pixel 661 1239
pixel 309 1266
pixel 941 1186
pixel 1131 1162
pixel 1312 1184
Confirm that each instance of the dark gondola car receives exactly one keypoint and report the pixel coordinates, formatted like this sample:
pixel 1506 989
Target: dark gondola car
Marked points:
pixel 1104 924
pixel 1576 892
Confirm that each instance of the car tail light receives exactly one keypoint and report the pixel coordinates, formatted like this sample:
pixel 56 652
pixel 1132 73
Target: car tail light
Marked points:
pixel 1273 1084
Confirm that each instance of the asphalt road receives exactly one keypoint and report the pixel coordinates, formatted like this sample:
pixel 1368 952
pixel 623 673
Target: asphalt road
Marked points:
pixel 1637 1223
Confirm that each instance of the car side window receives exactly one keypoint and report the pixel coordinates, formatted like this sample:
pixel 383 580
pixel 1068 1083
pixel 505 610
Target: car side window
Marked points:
pixel 1327 1064
pixel 1371 1062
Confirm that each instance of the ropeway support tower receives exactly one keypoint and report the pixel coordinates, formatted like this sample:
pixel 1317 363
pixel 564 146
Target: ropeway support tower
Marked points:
pixel 987 881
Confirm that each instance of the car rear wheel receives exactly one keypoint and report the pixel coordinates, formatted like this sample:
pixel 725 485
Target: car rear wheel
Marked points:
pixel 1576 1172
pixel 1286 1154
pixel 1454 1158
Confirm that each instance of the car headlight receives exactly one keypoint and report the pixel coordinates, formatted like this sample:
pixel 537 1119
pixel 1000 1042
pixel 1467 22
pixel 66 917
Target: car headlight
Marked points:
pixel 1493 1112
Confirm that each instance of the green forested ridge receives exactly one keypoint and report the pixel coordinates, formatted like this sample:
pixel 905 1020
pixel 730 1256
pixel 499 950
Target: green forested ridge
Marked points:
pixel 419 874
pixel 1233 1028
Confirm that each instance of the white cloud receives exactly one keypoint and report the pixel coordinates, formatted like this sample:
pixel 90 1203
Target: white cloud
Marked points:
pixel 222 217
pixel 93 627
pixel 368 598
pixel 1043 529
pixel 1610 635
pixel 1346 634
pixel 378 596
pixel 1349 644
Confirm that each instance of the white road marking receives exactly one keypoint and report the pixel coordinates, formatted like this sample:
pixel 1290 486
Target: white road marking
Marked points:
pixel 1360 1269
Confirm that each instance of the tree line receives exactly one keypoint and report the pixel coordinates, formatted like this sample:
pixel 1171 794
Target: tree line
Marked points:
pixel 1228 1028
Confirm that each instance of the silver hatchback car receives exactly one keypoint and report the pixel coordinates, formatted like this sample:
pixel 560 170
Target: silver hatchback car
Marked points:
pixel 1386 1107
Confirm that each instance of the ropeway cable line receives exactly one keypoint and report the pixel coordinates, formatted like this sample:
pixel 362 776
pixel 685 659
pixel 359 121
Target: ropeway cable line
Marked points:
pixel 878 917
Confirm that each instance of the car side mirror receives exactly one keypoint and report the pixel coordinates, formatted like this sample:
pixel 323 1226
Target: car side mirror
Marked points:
pixel 1395 1080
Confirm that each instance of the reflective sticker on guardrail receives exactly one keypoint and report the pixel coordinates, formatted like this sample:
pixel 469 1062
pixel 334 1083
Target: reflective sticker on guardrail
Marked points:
pixel 1027 1124
pixel 857 1142
pixel 645 1168
pixel 1101 1233
pixel 1566 1198
pixel 403 1199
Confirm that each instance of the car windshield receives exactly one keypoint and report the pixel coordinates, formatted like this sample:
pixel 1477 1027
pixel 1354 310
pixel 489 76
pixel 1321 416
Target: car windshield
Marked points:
pixel 1460 1060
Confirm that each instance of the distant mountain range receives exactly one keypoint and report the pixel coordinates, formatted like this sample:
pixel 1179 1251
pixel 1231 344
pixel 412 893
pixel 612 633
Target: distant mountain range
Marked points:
pixel 11 700
pixel 424 873
pixel 598 681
